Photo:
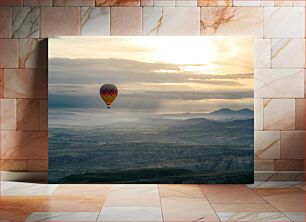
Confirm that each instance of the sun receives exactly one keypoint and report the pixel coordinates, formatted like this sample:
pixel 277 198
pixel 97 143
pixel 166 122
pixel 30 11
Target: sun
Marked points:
pixel 179 51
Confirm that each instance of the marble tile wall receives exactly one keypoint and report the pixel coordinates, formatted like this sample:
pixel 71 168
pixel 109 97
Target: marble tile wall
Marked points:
pixel 278 27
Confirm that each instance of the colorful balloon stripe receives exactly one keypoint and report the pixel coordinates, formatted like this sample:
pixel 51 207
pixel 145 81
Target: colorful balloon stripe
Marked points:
pixel 108 93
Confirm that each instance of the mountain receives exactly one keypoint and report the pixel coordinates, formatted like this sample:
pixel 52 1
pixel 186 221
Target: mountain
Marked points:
pixel 229 114
pixel 224 114
pixel 246 111
pixel 226 111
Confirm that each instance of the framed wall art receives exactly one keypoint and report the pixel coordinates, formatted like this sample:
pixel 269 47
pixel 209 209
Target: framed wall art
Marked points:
pixel 151 110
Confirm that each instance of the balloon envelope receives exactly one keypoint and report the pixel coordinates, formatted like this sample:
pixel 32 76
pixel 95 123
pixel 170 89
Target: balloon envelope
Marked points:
pixel 108 93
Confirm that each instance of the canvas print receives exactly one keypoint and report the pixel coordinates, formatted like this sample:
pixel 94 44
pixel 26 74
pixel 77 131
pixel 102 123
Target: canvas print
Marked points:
pixel 151 110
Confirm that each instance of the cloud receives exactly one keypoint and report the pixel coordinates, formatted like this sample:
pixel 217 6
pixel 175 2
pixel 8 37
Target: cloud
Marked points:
pixel 88 102
pixel 145 87
pixel 149 104
pixel 153 101
pixel 230 54
pixel 189 95
pixel 122 71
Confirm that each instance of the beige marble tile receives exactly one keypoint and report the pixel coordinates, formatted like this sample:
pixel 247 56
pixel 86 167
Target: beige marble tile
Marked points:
pixel 152 20
pixel 95 21
pixel 26 189
pixel 296 216
pixel 186 3
pixel 18 208
pixel 220 3
pixel 279 176
pixel 146 2
pixel 13 165
pixel 284 22
pixel 300 114
pixel 37 2
pixel 93 191
pixel 129 214
pixel 43 114
pixel 283 3
pixel 246 3
pixel 279 114
pixel 283 50
pixel 126 21
pixel 71 204
pixel 292 144
pixel 163 3
pixel 1 83
pixel 264 207
pixel 277 184
pixel 171 21
pixel 229 194
pixel 25 22
pixel 264 165
pixel 267 145
pixel 284 199
pixel 232 21
pixel 24 145
pixel 28 114
pixel 277 83
pixel 258 114
pixel 253 216
pixel 63 216
pixel 133 196
pixel 32 53
pixel 266 3
pixel 123 3
pixel 8 53
pixel 181 190
pixel 5 3
pixel 262 53
pixel 187 209
pixel 305 83
pixel 289 165
pixel 73 2
pixel 299 3
pixel 5 22
pixel 25 83
pixel 37 165
pixel 8 114
pixel 52 16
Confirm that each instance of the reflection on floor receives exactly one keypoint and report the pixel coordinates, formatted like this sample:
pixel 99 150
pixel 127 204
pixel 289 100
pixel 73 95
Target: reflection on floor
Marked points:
pixel 270 201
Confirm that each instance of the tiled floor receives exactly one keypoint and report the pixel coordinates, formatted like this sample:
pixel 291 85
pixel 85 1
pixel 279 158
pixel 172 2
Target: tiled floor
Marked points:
pixel 270 201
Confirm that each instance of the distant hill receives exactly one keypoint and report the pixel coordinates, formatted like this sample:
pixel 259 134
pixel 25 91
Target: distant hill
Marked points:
pixel 224 114
pixel 203 123
pixel 229 114
pixel 230 111
pixel 168 120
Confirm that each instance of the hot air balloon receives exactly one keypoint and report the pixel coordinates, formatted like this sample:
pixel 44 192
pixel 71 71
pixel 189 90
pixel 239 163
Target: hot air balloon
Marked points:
pixel 108 93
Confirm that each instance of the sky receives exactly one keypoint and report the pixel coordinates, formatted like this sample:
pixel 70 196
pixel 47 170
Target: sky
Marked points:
pixel 161 75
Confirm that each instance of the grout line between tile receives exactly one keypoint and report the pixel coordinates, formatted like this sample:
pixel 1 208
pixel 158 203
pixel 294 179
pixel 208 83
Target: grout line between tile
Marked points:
pixel 209 203
pixel 160 203
pixel 104 202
